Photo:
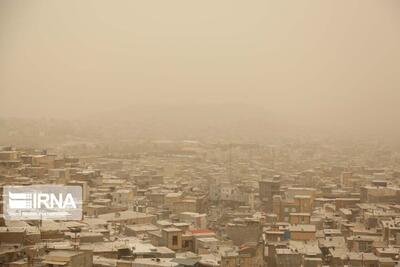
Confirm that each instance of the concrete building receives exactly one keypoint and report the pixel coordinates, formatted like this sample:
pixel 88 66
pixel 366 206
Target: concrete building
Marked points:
pixel 268 188
pixel 69 258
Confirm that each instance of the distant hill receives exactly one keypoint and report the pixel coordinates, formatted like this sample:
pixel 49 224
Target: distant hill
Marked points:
pixel 201 122
pixel 210 122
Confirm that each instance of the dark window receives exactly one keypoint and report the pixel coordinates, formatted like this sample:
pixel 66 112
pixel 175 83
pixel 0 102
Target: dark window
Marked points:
pixel 186 244
pixel 174 240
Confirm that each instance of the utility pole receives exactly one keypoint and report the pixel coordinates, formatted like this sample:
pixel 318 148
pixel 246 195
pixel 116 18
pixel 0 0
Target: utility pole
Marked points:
pixel 230 162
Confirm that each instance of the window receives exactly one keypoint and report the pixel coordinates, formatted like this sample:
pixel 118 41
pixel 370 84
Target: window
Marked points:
pixel 362 246
pixel 174 240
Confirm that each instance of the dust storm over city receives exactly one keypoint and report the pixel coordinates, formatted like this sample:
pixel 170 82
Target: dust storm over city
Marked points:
pixel 199 133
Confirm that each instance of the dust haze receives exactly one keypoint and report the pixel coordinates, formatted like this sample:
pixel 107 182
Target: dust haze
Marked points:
pixel 331 66
pixel 208 133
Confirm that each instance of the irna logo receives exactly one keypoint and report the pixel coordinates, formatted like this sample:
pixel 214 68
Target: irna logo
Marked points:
pixel 54 202
pixel 40 200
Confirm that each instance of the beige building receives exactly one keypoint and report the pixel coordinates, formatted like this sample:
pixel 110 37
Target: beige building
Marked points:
pixel 302 232
pixel 129 217
pixel 299 218
pixel 172 238
pixel 68 258
pixel 248 255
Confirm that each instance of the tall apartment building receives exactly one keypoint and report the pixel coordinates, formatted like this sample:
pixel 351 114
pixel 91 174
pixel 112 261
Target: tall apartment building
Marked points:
pixel 268 188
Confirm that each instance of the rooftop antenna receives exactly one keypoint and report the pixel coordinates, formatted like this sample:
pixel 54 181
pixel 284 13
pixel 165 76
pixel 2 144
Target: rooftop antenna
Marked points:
pixel 230 161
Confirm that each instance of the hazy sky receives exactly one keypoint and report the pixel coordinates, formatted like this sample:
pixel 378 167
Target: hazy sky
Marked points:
pixel 322 60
